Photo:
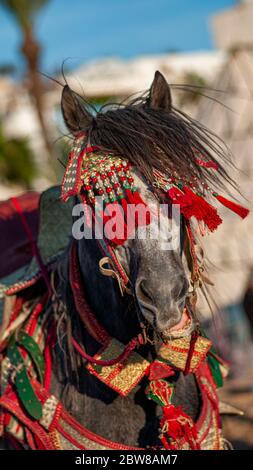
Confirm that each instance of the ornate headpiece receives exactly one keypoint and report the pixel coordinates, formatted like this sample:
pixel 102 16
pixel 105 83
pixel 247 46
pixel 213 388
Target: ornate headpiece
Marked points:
pixel 90 172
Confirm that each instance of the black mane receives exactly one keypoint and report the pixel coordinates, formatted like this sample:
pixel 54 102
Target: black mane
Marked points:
pixel 167 140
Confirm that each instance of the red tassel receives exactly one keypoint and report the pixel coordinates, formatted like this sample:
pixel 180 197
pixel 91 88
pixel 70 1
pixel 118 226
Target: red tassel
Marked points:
pixel 129 196
pixel 165 443
pixel 240 210
pixel 130 220
pixel 135 198
pixel 178 426
pixel 192 205
pixel 121 225
pixel 204 211
pixel 124 204
pixel 185 202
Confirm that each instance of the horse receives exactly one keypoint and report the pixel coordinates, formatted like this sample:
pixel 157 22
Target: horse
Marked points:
pixel 144 292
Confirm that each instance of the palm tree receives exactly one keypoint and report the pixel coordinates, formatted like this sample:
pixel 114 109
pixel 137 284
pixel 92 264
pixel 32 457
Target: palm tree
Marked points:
pixel 16 161
pixel 24 12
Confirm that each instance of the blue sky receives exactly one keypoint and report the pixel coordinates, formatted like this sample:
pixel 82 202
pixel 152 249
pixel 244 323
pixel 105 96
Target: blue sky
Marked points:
pixel 83 30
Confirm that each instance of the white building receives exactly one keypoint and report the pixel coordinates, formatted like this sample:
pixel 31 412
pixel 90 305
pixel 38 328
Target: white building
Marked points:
pixel 119 78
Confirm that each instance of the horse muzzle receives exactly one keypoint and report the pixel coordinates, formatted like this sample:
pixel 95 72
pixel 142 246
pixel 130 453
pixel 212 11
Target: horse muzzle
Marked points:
pixel 183 328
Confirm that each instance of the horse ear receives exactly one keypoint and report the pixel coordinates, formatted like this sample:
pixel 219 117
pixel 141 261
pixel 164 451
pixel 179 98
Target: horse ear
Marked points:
pixel 160 96
pixel 75 115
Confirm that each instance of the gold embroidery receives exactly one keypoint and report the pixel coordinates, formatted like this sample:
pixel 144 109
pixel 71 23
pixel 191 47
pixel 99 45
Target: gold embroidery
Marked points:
pixel 212 441
pixel 176 352
pixel 122 377
pixel 206 424
pixel 56 439
pixel 210 389
pixel 66 444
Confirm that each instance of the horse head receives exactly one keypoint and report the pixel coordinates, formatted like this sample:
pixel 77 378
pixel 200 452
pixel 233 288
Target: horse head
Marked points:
pixel 156 139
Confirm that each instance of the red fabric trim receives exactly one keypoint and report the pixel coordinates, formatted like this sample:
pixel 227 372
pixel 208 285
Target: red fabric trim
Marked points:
pixel 23 285
pixel 12 405
pixel 30 439
pixel 194 338
pixel 208 400
pixel 42 438
pixel 69 437
pixel 77 184
pixel 48 361
pixel 65 194
pixel 32 322
pixel 63 414
pixel 94 437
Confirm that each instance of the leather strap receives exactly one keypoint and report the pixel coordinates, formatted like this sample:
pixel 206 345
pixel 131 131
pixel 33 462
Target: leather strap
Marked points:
pixel 111 273
pixel 33 349
pixel 22 382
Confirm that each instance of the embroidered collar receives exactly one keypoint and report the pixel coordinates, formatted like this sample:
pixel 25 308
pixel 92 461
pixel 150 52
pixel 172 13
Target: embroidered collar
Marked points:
pixel 26 380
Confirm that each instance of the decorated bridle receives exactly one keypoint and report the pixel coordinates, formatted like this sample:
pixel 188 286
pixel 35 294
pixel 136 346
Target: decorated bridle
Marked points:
pixel 91 172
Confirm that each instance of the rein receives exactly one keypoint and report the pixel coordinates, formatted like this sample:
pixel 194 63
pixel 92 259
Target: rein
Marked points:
pixel 110 362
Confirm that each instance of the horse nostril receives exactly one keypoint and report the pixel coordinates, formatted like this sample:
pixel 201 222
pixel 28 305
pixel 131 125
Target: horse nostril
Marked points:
pixel 143 291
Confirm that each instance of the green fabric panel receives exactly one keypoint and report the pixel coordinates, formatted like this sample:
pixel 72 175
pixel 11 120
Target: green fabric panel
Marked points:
pixel 22 382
